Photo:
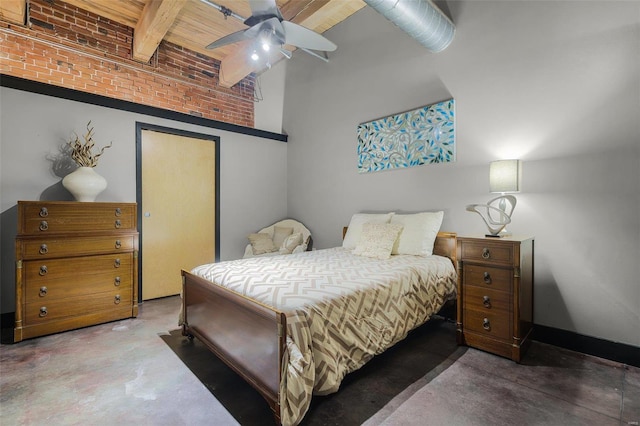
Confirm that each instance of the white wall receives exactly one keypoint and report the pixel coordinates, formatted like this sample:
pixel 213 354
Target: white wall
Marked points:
pixel 253 170
pixel 270 92
pixel 556 84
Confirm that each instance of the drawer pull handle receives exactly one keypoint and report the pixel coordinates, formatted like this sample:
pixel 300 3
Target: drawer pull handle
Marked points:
pixel 486 254
pixel 43 225
pixel 44 212
pixel 43 249
pixel 43 312
pixel 486 301
pixel 486 324
pixel 486 278
pixel 116 299
pixel 43 270
pixel 118 224
pixel 116 281
pixel 116 263
pixel 118 212
pixel 43 291
pixel 118 244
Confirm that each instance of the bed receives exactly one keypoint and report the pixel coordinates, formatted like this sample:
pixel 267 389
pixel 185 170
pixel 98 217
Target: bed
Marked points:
pixel 294 326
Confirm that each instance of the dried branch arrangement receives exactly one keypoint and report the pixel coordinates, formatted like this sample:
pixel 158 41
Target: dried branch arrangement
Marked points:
pixel 82 152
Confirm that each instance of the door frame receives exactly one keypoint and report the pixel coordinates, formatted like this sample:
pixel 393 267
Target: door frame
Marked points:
pixel 140 126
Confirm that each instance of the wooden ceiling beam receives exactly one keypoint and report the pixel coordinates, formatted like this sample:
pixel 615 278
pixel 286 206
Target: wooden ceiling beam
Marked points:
pixel 14 11
pixel 156 19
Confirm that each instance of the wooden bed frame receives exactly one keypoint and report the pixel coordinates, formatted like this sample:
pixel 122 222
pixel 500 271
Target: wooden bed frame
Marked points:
pixel 247 335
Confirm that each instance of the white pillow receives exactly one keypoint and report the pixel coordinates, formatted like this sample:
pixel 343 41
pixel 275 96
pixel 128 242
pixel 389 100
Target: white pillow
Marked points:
pixel 418 233
pixel 291 242
pixel 355 227
pixel 377 240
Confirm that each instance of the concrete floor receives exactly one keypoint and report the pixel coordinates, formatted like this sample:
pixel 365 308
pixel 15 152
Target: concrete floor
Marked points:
pixel 124 373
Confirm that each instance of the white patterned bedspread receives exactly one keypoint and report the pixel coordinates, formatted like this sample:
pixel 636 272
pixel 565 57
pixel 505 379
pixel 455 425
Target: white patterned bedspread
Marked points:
pixel 342 309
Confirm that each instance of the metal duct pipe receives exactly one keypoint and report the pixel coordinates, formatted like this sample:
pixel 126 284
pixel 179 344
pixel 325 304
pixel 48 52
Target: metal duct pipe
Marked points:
pixel 421 19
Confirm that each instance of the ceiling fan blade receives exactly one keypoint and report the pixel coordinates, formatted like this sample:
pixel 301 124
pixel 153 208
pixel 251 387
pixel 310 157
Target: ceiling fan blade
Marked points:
pixel 230 38
pixel 262 10
pixel 297 35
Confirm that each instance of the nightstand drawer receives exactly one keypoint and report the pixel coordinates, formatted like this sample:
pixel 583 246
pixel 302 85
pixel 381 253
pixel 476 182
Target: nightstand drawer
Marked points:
pixel 487 277
pixel 487 251
pixel 495 325
pixel 486 300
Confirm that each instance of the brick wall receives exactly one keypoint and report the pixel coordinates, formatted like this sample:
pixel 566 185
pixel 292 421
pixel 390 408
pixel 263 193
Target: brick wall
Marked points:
pixel 69 47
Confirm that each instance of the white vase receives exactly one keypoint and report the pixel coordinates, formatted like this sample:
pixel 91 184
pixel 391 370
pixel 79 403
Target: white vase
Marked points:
pixel 84 184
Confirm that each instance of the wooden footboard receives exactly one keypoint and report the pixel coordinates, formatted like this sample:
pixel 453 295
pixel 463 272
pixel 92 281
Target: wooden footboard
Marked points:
pixel 246 335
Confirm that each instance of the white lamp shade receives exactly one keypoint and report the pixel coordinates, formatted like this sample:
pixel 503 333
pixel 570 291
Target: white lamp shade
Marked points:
pixel 505 176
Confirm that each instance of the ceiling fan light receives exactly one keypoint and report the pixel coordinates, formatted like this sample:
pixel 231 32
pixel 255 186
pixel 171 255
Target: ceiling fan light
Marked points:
pixel 255 56
pixel 266 46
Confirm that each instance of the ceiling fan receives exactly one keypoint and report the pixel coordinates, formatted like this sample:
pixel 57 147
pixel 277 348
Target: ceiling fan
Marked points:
pixel 269 28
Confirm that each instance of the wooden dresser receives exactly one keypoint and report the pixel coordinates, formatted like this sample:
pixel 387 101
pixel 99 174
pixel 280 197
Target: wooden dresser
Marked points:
pixel 495 294
pixel 76 265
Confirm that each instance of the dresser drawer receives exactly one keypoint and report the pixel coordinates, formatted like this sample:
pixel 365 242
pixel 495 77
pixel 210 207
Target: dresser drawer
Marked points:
pixel 79 274
pixel 43 292
pixel 47 248
pixel 493 324
pixel 51 217
pixel 481 251
pixel 76 306
pixel 487 300
pixel 487 277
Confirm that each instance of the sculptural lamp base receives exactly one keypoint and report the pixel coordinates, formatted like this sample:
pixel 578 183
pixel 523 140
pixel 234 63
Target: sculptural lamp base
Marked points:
pixel 502 234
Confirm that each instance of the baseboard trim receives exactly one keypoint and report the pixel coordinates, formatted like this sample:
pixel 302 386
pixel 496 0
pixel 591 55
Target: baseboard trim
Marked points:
pixel 619 352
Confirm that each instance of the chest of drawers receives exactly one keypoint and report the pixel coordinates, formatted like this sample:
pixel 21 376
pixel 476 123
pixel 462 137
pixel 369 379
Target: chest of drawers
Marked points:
pixel 495 294
pixel 76 265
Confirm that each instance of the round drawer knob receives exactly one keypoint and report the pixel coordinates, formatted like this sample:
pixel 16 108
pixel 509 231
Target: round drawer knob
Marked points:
pixel 43 270
pixel 486 277
pixel 43 291
pixel 116 263
pixel 116 299
pixel 44 212
pixel 486 324
pixel 43 312
pixel 486 301
pixel 118 224
pixel 118 212
pixel 486 254
pixel 116 282
pixel 43 225
pixel 118 244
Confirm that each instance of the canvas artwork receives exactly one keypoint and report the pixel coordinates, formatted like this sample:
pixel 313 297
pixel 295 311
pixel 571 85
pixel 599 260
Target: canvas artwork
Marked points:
pixel 422 136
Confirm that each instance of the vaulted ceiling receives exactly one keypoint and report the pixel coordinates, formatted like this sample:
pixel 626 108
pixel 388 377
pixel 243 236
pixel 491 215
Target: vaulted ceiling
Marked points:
pixel 193 24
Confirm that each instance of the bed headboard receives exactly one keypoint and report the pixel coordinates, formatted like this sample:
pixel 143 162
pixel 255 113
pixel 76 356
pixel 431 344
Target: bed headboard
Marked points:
pixel 445 245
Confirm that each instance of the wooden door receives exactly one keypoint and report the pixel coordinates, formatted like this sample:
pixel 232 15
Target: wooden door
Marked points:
pixel 178 208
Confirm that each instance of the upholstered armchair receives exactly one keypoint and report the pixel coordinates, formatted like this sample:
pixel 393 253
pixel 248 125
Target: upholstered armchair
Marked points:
pixel 287 236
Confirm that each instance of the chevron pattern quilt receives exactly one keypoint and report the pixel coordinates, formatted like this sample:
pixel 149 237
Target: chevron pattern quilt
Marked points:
pixel 341 310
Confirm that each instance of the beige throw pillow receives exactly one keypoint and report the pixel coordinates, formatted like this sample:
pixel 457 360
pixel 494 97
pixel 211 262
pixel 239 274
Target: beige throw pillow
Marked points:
pixel 261 243
pixel 291 242
pixel 377 240
pixel 354 231
pixel 280 234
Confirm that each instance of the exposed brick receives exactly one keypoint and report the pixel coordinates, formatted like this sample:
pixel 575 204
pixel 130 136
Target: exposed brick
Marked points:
pixel 176 78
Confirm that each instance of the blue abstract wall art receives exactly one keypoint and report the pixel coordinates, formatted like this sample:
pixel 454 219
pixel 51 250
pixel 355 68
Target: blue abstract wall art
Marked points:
pixel 422 136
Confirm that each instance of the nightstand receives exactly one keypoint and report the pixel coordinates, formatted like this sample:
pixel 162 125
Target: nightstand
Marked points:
pixel 495 294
